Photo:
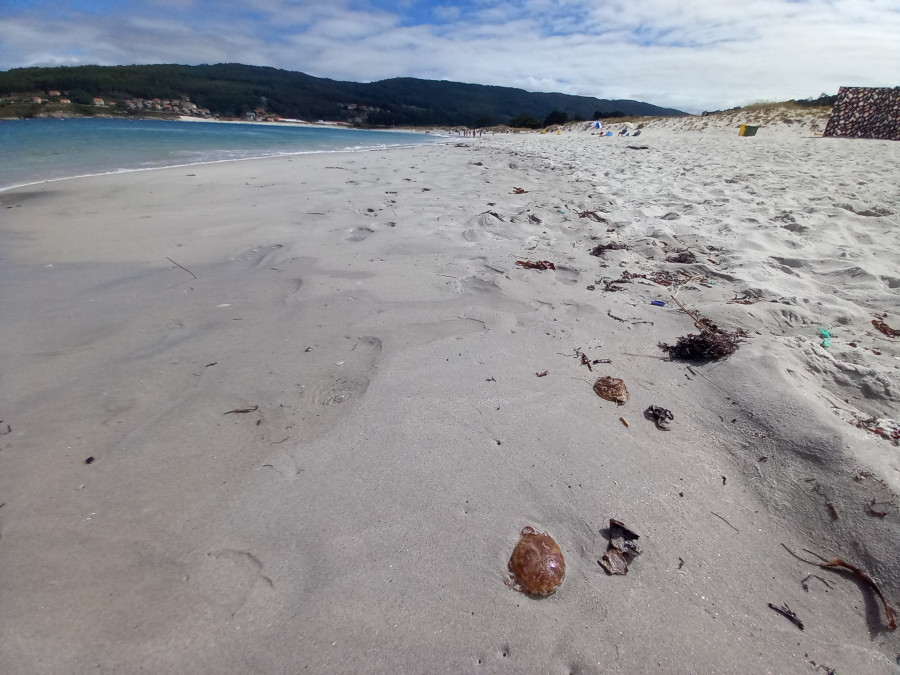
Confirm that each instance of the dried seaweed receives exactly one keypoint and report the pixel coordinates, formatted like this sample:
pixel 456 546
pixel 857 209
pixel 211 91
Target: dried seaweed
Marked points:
pixel 600 249
pixel 662 278
pixel 593 216
pixel 519 191
pixel 665 278
pixel 743 300
pixel 613 284
pixel 585 361
pixel 536 265
pixel 821 666
pixel 884 427
pixel 682 256
pixel 865 578
pixel 622 548
pixel 882 326
pixel 609 285
pixel 709 344
pixel 853 569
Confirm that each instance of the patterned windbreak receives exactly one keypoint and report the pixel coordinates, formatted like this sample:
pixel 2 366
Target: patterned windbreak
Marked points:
pixel 866 112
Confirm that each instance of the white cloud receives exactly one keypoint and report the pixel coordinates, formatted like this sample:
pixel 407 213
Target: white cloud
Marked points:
pixel 447 13
pixel 689 54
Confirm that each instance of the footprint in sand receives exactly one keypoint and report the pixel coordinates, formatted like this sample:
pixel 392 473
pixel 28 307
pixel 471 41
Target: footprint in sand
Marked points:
pixel 343 390
pixel 350 379
pixel 566 274
pixel 228 578
pixel 472 235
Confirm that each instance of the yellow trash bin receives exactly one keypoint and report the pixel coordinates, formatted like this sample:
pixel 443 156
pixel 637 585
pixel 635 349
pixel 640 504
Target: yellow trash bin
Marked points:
pixel 747 130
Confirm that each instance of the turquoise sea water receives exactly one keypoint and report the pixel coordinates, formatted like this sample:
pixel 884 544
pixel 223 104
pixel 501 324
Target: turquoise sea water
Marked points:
pixel 43 149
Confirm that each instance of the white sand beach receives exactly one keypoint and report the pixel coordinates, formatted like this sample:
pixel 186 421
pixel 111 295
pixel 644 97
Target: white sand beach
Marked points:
pixel 308 391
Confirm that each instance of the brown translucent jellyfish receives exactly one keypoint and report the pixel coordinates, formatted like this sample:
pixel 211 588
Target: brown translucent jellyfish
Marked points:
pixel 612 389
pixel 537 563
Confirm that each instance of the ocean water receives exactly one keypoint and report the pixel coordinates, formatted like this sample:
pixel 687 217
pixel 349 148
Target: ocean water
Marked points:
pixel 43 149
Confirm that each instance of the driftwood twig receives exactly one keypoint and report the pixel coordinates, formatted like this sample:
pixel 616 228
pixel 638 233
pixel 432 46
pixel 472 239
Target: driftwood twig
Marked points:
pixel 725 521
pixel 181 266
pixel 243 410
pixel 788 614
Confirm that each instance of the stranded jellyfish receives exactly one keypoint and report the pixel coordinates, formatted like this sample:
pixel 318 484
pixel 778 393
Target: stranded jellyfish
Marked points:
pixel 612 389
pixel 537 563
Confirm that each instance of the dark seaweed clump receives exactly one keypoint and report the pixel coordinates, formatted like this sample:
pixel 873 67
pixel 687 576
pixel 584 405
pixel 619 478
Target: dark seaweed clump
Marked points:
pixel 709 344
pixel 600 249
pixel 683 256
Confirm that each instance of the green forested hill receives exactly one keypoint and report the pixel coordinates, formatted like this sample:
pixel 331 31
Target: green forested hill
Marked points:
pixel 233 89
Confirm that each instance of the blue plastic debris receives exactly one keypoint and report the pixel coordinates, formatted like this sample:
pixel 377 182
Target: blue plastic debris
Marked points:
pixel 658 303
pixel 826 336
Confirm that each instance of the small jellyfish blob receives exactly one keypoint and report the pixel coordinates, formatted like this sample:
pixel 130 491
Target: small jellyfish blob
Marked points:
pixel 537 563
pixel 612 389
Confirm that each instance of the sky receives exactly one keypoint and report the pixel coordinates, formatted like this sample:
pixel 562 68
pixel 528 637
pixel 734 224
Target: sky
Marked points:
pixel 693 55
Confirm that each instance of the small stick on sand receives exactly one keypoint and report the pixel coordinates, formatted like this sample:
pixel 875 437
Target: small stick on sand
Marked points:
pixel 813 576
pixel 725 521
pixel 788 614
pixel 243 410
pixel 181 266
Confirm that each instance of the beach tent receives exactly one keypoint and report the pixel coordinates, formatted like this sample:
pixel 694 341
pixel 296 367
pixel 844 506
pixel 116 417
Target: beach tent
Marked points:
pixel 598 125
pixel 866 112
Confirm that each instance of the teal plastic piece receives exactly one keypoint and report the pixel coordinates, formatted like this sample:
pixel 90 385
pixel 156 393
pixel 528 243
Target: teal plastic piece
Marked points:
pixel 826 336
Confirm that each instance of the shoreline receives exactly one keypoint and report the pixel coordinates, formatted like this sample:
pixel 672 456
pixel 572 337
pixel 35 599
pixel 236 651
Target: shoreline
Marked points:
pixel 193 164
pixel 316 437
pixel 213 161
